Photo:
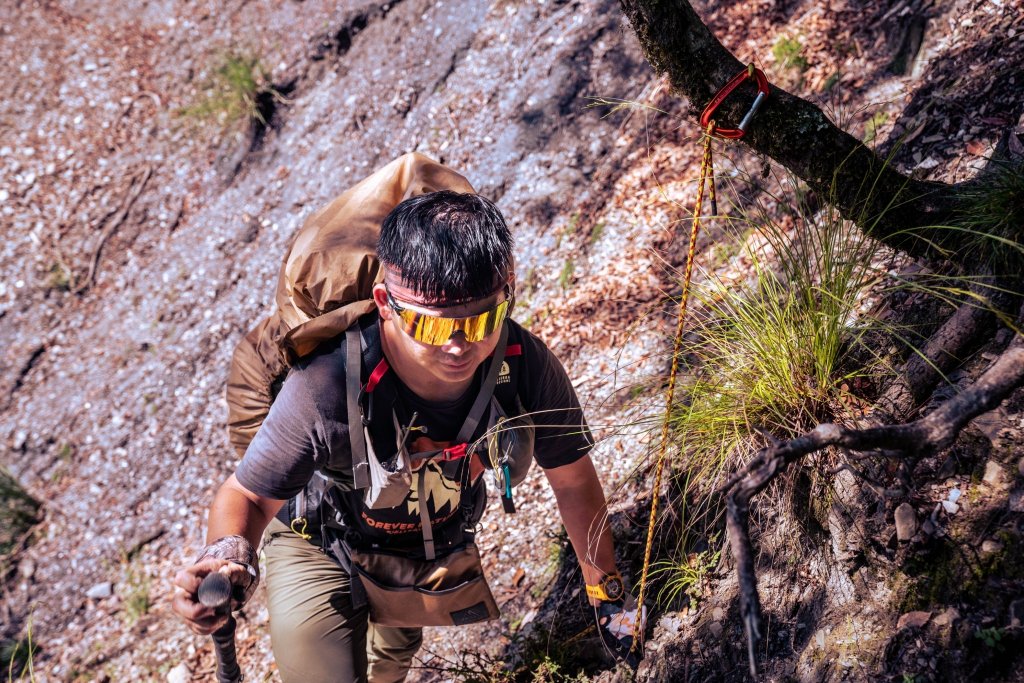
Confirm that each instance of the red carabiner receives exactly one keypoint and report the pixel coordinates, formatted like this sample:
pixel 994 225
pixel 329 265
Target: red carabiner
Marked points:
pixel 762 92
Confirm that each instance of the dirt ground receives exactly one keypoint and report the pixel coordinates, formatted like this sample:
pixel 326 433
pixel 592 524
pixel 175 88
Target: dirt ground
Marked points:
pixel 143 233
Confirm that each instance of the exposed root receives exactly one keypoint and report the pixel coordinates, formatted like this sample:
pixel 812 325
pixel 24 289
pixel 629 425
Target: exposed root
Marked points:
pixel 945 350
pixel 138 183
pixel 922 437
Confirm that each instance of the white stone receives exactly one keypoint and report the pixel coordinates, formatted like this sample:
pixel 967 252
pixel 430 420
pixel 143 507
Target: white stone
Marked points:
pixel 991 546
pixel 671 623
pixel 100 591
pixel 178 674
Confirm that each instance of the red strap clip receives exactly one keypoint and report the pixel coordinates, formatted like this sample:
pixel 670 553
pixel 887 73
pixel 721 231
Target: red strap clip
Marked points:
pixel 454 453
pixel 762 92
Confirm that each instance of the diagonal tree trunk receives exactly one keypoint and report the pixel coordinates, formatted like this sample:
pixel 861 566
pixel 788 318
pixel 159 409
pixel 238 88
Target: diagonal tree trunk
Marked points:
pixel 891 207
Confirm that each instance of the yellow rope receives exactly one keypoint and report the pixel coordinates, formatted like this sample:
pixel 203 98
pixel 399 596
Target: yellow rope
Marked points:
pixel 706 176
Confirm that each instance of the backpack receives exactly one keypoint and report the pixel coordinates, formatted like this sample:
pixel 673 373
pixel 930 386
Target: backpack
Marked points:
pixel 323 291
pixel 324 285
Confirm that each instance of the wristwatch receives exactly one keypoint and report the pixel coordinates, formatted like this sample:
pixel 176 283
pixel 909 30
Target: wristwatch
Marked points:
pixel 609 589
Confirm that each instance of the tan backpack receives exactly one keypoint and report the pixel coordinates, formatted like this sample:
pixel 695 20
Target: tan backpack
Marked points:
pixel 325 284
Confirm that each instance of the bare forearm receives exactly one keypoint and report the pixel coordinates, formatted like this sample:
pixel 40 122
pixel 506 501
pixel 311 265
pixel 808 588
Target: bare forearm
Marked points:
pixel 237 511
pixel 581 504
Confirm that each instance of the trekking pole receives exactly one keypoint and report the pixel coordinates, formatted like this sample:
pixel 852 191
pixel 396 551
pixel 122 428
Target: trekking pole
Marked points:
pixel 215 592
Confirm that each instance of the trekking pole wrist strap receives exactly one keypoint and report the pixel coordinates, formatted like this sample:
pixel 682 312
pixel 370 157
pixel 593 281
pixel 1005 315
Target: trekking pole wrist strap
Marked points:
pixel 236 549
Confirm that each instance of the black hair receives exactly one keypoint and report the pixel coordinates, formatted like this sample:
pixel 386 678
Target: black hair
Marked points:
pixel 447 246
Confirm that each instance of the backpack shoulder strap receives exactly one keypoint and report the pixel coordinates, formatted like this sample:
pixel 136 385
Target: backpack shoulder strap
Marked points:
pixel 353 386
pixel 506 390
pixel 483 397
pixel 362 350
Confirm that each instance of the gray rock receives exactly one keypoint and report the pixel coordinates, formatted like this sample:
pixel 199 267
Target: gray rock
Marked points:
pixel 1017 613
pixel 991 546
pixel 915 619
pixel 906 522
pixel 819 638
pixel 947 617
pixel 100 591
pixel 718 614
pixel 671 624
pixel 1016 502
pixel 715 629
pixel 994 475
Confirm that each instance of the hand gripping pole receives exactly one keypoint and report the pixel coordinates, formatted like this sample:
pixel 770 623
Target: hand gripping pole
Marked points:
pixel 215 592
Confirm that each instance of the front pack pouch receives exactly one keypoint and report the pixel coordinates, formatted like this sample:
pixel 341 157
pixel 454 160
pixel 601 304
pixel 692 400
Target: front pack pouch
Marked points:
pixel 390 482
pixel 403 591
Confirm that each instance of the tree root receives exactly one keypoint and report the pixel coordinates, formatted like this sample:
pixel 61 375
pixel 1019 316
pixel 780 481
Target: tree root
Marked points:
pixel 925 436
pixel 945 350
pixel 138 184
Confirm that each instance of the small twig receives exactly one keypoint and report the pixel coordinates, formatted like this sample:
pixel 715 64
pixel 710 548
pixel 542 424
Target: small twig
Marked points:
pixel 133 193
pixel 128 108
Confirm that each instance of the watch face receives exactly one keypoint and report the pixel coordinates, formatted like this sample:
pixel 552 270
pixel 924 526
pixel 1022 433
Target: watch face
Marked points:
pixel 613 587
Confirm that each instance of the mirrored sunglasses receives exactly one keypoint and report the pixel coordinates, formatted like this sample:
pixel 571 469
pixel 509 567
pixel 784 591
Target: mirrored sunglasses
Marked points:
pixel 436 330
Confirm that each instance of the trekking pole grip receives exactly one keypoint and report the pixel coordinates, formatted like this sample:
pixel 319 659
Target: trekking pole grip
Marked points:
pixel 215 592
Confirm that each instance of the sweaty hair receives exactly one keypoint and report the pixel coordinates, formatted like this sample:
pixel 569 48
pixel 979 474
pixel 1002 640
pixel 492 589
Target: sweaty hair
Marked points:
pixel 447 246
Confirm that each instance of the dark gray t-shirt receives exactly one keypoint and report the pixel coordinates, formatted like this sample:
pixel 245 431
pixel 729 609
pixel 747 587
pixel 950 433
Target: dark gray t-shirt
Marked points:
pixel 308 420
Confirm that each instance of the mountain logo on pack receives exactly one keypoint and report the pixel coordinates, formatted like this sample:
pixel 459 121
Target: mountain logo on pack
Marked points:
pixel 504 374
pixel 445 493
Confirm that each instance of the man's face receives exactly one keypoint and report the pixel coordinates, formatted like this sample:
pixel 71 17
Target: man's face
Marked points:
pixel 451 363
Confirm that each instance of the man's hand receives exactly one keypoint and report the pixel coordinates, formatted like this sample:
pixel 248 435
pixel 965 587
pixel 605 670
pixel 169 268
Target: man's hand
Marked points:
pixel 617 624
pixel 200 619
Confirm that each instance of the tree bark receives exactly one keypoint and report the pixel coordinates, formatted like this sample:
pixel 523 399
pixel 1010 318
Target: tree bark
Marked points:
pixel 900 211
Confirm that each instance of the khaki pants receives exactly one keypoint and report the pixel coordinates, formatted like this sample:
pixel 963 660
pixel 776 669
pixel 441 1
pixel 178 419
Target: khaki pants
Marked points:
pixel 316 634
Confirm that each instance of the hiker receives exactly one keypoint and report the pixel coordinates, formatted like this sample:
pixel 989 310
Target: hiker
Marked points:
pixel 368 531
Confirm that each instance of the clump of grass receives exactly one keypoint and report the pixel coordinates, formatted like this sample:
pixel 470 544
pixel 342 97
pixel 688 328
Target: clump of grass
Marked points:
pixel 569 230
pixel 565 277
pixel 18 513
pixel 135 595
pixel 235 92
pixel 787 54
pixel 871 128
pixel 16 657
pixel 684 579
pixel 993 212
pixel 534 658
pixel 59 278
pixel 766 353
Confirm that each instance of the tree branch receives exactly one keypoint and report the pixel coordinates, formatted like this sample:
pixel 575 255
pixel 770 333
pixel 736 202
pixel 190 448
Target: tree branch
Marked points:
pixel 889 206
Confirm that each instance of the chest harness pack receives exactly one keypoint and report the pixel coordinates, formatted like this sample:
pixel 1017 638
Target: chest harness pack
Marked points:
pixel 376 472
